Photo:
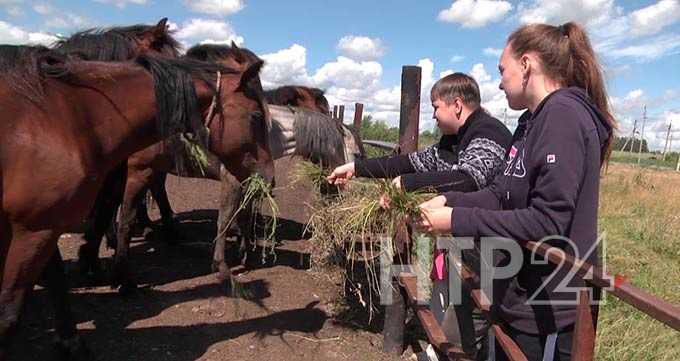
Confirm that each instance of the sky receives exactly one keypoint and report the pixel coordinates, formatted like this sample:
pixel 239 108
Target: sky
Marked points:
pixel 355 50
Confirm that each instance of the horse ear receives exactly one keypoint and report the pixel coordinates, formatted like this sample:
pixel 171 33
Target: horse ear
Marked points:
pixel 250 74
pixel 161 28
pixel 233 45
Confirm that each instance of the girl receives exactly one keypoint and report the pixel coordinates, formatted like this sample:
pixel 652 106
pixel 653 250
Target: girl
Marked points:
pixel 549 188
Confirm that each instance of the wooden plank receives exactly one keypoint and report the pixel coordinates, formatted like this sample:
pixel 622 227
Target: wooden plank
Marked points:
pixel 653 306
pixel 583 344
pixel 358 116
pixel 511 349
pixel 409 114
pixel 434 332
pixel 341 113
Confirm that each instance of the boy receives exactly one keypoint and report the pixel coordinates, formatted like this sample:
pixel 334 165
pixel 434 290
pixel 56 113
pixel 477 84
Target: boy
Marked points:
pixel 469 154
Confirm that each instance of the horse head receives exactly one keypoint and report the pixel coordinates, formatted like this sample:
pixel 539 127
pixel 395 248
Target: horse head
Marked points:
pixel 240 139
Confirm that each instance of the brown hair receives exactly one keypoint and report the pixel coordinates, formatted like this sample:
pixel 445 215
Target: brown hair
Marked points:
pixel 457 85
pixel 569 59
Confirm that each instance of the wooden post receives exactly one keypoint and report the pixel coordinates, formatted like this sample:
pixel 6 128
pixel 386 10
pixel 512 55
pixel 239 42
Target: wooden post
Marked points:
pixel 335 112
pixel 583 343
pixel 395 313
pixel 358 116
pixel 341 113
pixel 409 114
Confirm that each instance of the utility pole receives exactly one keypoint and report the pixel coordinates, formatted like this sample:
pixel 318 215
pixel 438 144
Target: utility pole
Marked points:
pixel 642 134
pixel 632 136
pixel 668 137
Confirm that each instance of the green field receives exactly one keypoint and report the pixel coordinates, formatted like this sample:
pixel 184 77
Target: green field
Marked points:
pixel 646 159
pixel 639 211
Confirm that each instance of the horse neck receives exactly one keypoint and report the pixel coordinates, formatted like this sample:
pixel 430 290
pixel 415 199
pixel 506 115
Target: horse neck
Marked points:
pixel 121 106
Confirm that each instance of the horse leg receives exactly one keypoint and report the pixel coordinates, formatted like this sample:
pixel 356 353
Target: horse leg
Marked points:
pixel 136 185
pixel 103 216
pixel 230 197
pixel 27 255
pixel 142 221
pixel 69 345
pixel 169 225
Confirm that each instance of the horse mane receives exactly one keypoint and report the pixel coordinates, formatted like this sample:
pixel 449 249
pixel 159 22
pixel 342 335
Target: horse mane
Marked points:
pixel 291 95
pixel 115 43
pixel 216 52
pixel 318 138
pixel 25 67
pixel 176 100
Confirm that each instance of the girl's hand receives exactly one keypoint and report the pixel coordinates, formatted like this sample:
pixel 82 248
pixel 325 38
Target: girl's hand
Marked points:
pixel 341 174
pixel 436 220
pixel 436 202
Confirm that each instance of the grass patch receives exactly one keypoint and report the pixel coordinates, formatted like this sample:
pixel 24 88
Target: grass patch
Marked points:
pixel 639 213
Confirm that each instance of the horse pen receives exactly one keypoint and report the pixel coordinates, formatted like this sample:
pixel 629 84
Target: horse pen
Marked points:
pixel 282 309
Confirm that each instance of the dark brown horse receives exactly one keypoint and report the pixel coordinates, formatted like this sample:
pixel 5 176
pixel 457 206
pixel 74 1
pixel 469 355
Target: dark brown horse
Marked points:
pixel 318 138
pixel 78 120
pixel 298 96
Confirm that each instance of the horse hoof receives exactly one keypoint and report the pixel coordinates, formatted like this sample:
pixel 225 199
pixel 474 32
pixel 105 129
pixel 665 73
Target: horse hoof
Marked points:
pixel 73 349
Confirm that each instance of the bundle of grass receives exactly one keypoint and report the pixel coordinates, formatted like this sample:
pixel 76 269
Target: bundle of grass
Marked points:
pixel 195 153
pixel 256 193
pixel 315 174
pixel 355 228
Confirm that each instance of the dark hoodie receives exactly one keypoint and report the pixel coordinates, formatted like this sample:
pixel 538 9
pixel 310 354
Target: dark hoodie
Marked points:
pixel 549 188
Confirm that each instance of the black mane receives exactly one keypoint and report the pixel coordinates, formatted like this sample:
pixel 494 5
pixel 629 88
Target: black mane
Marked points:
pixel 115 44
pixel 290 95
pixel 214 52
pixel 176 101
pixel 25 66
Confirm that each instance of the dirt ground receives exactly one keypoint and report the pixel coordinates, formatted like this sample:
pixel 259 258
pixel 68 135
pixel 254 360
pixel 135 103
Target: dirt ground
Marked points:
pixel 180 312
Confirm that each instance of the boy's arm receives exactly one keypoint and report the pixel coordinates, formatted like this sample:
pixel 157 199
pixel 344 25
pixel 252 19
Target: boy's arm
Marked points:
pixel 442 181
pixel 383 167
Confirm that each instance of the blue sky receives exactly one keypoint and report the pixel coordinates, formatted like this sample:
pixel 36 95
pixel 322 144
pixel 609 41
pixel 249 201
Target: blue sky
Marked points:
pixel 355 49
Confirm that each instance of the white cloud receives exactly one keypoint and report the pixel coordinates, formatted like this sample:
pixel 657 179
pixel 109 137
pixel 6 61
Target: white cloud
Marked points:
pixel 361 47
pixel 206 31
pixel 654 18
pixel 457 59
pixel 10 34
pixel 662 45
pixel 493 52
pixel 122 3
pixel 57 18
pixel 215 7
pixel 475 13
pixel 614 33
pixel 12 7
pixel 561 11
pixel 347 73
pixel 286 66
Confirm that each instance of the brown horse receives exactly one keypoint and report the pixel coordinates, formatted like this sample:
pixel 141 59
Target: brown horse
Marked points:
pixel 318 139
pixel 299 96
pixel 78 120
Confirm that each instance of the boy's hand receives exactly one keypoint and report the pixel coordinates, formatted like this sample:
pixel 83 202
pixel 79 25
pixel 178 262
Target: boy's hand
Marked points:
pixel 436 220
pixel 396 182
pixel 436 202
pixel 384 200
pixel 341 174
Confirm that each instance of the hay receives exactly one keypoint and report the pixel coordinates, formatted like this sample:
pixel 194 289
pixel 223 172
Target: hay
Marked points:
pixel 352 225
pixel 256 192
pixel 195 153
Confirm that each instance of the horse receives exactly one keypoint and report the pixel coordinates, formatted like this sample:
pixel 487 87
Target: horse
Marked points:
pixel 319 139
pixel 78 120
pixel 298 96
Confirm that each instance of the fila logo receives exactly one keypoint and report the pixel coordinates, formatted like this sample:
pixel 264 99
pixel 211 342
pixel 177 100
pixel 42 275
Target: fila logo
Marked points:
pixel 551 159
